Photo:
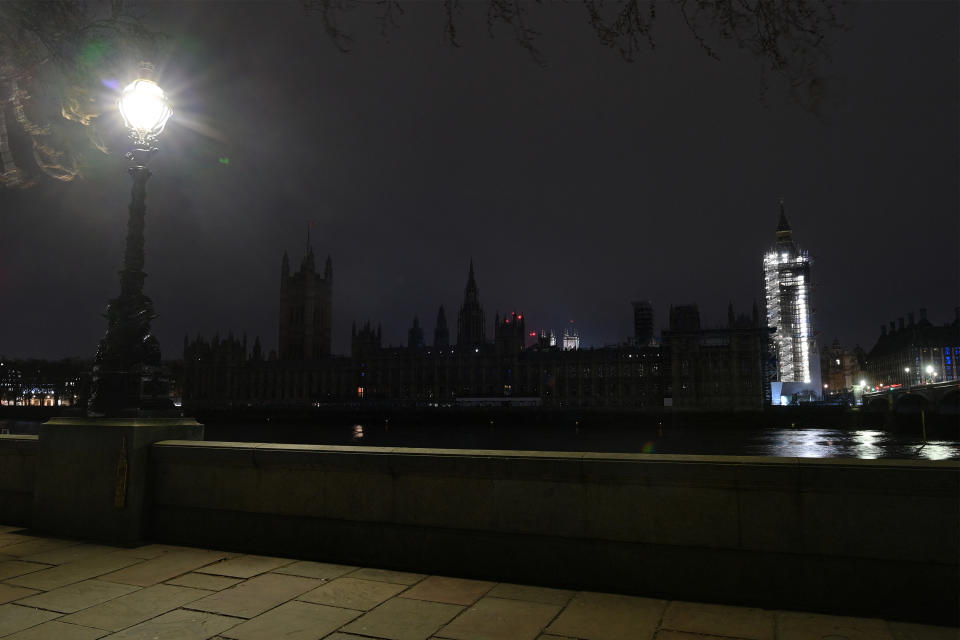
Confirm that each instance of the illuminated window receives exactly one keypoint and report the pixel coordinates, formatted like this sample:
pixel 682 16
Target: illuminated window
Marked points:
pixel 360 392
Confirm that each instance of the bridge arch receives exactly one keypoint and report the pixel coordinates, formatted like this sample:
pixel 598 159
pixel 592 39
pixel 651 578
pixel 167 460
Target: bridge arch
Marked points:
pixel 911 403
pixel 949 403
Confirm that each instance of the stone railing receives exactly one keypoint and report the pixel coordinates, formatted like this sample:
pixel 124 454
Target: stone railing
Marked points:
pixel 859 537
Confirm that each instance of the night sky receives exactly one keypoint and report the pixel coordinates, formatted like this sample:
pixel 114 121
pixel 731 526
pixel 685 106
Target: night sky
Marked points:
pixel 575 187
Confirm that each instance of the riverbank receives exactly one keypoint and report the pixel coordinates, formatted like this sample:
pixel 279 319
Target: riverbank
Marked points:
pixel 934 426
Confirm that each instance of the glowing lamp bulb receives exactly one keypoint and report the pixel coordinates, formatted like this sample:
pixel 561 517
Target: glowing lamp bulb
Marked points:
pixel 929 368
pixel 145 108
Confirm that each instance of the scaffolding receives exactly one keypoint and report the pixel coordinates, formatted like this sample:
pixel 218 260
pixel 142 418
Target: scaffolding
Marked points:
pixel 786 272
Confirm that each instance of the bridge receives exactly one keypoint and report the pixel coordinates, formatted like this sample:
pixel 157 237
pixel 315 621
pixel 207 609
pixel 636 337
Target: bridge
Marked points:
pixel 937 397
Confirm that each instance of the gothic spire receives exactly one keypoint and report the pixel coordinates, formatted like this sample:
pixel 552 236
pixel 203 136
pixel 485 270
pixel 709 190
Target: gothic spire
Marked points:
pixel 471 281
pixel 783 228
pixel 441 334
pixel 441 318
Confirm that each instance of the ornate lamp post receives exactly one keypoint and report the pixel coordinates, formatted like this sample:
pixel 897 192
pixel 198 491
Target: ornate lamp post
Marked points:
pixel 125 372
pixel 96 468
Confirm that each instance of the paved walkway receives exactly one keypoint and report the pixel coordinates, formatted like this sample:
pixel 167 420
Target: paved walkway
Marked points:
pixel 67 590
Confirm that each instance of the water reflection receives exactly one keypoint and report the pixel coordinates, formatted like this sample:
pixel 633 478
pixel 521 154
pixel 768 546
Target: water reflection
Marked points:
pixel 937 451
pixel 800 443
pixel 867 444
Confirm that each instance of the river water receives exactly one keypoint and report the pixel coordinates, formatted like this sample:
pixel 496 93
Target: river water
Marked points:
pixel 776 442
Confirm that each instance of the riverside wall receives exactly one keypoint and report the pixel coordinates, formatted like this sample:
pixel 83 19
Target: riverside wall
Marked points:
pixel 859 537
pixel 855 537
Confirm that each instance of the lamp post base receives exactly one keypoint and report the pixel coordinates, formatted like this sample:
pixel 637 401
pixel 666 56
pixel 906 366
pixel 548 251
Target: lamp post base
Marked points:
pixel 95 483
pixel 141 391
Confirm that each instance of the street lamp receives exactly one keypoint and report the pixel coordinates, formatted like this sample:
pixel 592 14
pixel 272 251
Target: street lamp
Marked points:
pixel 906 377
pixel 125 373
pixel 929 372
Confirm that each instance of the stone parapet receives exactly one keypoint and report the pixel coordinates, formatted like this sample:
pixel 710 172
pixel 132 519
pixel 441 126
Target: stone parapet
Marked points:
pixel 18 471
pixel 870 537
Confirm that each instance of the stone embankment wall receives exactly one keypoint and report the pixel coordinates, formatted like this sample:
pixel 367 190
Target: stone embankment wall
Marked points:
pixel 858 537
pixel 867 537
pixel 18 468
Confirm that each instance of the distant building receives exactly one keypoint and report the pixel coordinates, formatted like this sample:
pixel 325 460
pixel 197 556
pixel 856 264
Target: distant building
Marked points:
pixel 840 368
pixel 547 338
pixel 706 368
pixel 915 352
pixel 715 368
pixel 571 337
pixel 306 309
pixel 40 383
pixel 788 310
pixel 415 335
pixel 643 323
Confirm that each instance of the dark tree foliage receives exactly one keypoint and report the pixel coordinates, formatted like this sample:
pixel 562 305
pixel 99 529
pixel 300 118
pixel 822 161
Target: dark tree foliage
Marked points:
pixel 788 37
pixel 53 55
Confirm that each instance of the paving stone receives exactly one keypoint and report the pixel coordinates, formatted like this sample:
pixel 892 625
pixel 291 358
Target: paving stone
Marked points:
pixel 256 595
pixel 245 566
pixel 531 594
pixel 178 625
pixel 396 577
pixel 163 567
pixel 69 554
pixel 150 551
pixel 204 581
pixel 353 593
pixel 77 596
pixel 403 619
pixel 501 619
pixel 321 570
pixel 135 607
pixel 71 572
pixel 603 616
pixel 56 630
pixel 803 626
pixel 552 637
pixel 910 631
pixel 449 590
pixel 9 593
pixel 28 546
pixel 9 528
pixel 13 538
pixel 13 568
pixel 339 635
pixel 295 621
pixel 670 634
pixel 15 618
pixel 719 620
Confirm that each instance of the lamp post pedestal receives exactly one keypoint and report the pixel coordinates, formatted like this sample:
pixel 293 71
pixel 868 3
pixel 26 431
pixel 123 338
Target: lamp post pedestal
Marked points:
pixel 96 482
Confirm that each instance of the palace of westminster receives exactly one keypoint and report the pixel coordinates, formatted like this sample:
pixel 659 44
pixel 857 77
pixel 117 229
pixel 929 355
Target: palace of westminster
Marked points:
pixel 690 366
pixel 768 355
